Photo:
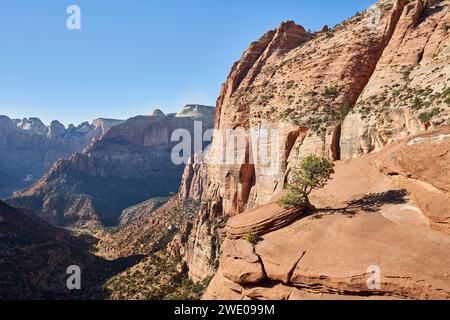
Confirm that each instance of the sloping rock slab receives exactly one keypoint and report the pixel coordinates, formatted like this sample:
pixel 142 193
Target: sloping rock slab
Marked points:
pixel 262 220
pixel 421 164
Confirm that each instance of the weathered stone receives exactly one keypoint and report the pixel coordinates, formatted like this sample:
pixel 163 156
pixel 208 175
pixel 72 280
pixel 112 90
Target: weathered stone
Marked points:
pixel 28 148
pixel 240 264
pixel 262 220
pixel 130 164
pixel 372 216
pixel 410 79
pixel 306 85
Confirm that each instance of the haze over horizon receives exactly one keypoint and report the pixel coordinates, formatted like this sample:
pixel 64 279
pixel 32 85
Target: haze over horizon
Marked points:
pixel 129 60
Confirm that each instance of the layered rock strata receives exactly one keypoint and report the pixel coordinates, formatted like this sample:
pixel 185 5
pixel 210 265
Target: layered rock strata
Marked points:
pixel 381 213
pixel 28 148
pixel 340 93
pixel 130 164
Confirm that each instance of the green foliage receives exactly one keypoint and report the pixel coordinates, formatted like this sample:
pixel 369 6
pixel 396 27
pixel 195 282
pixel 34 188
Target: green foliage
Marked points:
pixel 406 75
pixel 292 200
pixel 155 278
pixel 427 116
pixel 446 95
pixel 290 84
pixel 330 34
pixel 312 173
pixel 447 100
pixel 330 91
pixel 417 103
pixel 345 110
pixel 251 238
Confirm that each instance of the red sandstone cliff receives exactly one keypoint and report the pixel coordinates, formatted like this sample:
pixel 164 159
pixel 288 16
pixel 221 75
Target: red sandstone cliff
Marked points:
pixel 354 91
pixel 339 93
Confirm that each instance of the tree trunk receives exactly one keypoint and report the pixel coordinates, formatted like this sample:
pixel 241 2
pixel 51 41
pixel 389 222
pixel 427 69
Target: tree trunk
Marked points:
pixel 308 205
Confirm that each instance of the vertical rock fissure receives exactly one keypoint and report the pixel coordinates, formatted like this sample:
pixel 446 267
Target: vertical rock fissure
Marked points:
pixel 392 25
pixel 289 275
pixel 261 262
pixel 336 144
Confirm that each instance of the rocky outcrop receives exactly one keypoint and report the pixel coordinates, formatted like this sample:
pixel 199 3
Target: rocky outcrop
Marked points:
pixel 240 263
pixel 202 248
pixel 374 216
pixel 262 220
pixel 304 89
pixel 304 93
pixel 427 174
pixel 333 256
pixel 408 92
pixel 130 164
pixel 261 92
pixel 198 112
pixel 195 178
pixel 28 148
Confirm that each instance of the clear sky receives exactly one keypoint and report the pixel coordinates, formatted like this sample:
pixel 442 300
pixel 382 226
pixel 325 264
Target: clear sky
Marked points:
pixel 133 56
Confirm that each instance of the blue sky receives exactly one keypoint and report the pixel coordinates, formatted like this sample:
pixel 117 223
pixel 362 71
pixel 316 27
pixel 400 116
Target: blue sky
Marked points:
pixel 133 56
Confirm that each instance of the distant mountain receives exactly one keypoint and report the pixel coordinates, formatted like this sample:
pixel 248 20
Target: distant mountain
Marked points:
pixel 198 112
pixel 130 164
pixel 372 94
pixel 28 148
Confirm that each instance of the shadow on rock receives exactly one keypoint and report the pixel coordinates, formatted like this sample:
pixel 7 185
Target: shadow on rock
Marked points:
pixel 369 204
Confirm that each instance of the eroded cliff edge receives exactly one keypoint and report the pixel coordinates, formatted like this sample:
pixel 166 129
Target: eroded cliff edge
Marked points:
pixel 361 96
pixel 386 211
pixel 340 93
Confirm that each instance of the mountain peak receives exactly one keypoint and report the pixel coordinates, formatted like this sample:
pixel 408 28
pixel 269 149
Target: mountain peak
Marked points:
pixel 157 113
pixel 197 112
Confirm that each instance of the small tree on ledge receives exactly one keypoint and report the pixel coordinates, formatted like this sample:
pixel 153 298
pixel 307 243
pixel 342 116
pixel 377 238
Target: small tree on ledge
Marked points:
pixel 312 173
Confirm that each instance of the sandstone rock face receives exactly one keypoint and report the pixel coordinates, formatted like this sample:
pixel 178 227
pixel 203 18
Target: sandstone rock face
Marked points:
pixel 295 83
pixel 333 255
pixel 131 163
pixel 427 174
pixel 28 148
pixel 203 245
pixel 380 212
pixel 261 220
pixel 240 264
pixel 195 178
pixel 281 82
pixel 315 91
pixel 409 88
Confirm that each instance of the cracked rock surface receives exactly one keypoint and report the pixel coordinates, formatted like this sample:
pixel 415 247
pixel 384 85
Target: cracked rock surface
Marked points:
pixel 366 219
